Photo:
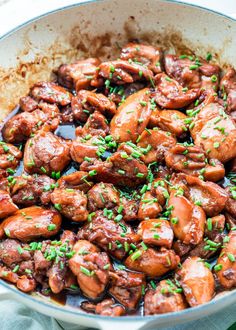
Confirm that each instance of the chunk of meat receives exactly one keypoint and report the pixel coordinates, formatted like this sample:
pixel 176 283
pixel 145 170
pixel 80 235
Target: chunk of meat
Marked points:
pixel 88 265
pixel 156 232
pixel 86 102
pixel 215 131
pixel 30 223
pixel 197 281
pixel 106 307
pixel 165 298
pixel 230 205
pixel 77 180
pixel 95 125
pixel 46 153
pixel 121 72
pixel 8 275
pixel 192 160
pixel 192 72
pixel 152 262
pixel 102 195
pixel 28 104
pixel 9 156
pixel 30 190
pixel 172 121
pixel 77 75
pixel 109 234
pixel 51 93
pixel 228 88
pixel 187 219
pixel 85 146
pixel 21 126
pixel 26 284
pixel 158 142
pixel 169 93
pixel 226 263
pixel 130 209
pixel 13 252
pixel 132 117
pixel 71 203
pixel 7 207
pixel 126 287
pixel 117 170
pixel 145 54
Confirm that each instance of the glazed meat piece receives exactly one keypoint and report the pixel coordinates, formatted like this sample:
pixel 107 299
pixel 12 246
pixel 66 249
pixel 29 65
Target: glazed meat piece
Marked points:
pixel 9 156
pixel 228 88
pixel 107 307
pixel 28 104
pixel 156 232
pixel 215 132
pixel 132 117
pixel 86 102
pixel 172 121
pixel 31 190
pixel 126 287
pixel 197 281
pixel 102 195
pixel 226 264
pixel 85 147
pixel 145 54
pixel 71 203
pixel 12 252
pixel 77 180
pixel 192 160
pixel 121 72
pixel 152 262
pixel 117 170
pixel 31 223
pixel 46 153
pixel 158 142
pixel 91 268
pixel 230 205
pixel 26 284
pixel 192 72
pixel 21 126
pixel 130 209
pixel 112 235
pixel 77 75
pixel 95 125
pixel 187 219
pixel 165 298
pixel 7 207
pixel 51 93
pixel 169 93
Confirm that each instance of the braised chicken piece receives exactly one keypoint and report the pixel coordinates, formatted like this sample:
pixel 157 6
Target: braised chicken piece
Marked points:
pixel 31 223
pixel 230 205
pixel 77 180
pixel 158 142
pixel 7 206
pixel 101 196
pixel 169 93
pixel 191 159
pixel 226 264
pixel 91 268
pixel 109 232
pixel 77 75
pixel 28 104
pixel 117 170
pixel 197 281
pixel 165 298
pixel 192 72
pixel 152 262
pixel 121 72
pixel 30 190
pixel 172 121
pixel 156 232
pixel 95 125
pixel 71 203
pixel 9 156
pixel 132 117
pixel 215 131
pixel 228 88
pixel 129 208
pixel 145 54
pixel 26 284
pixel 86 102
pixel 187 219
pixel 107 307
pixel 46 153
pixel 12 252
pixel 126 287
